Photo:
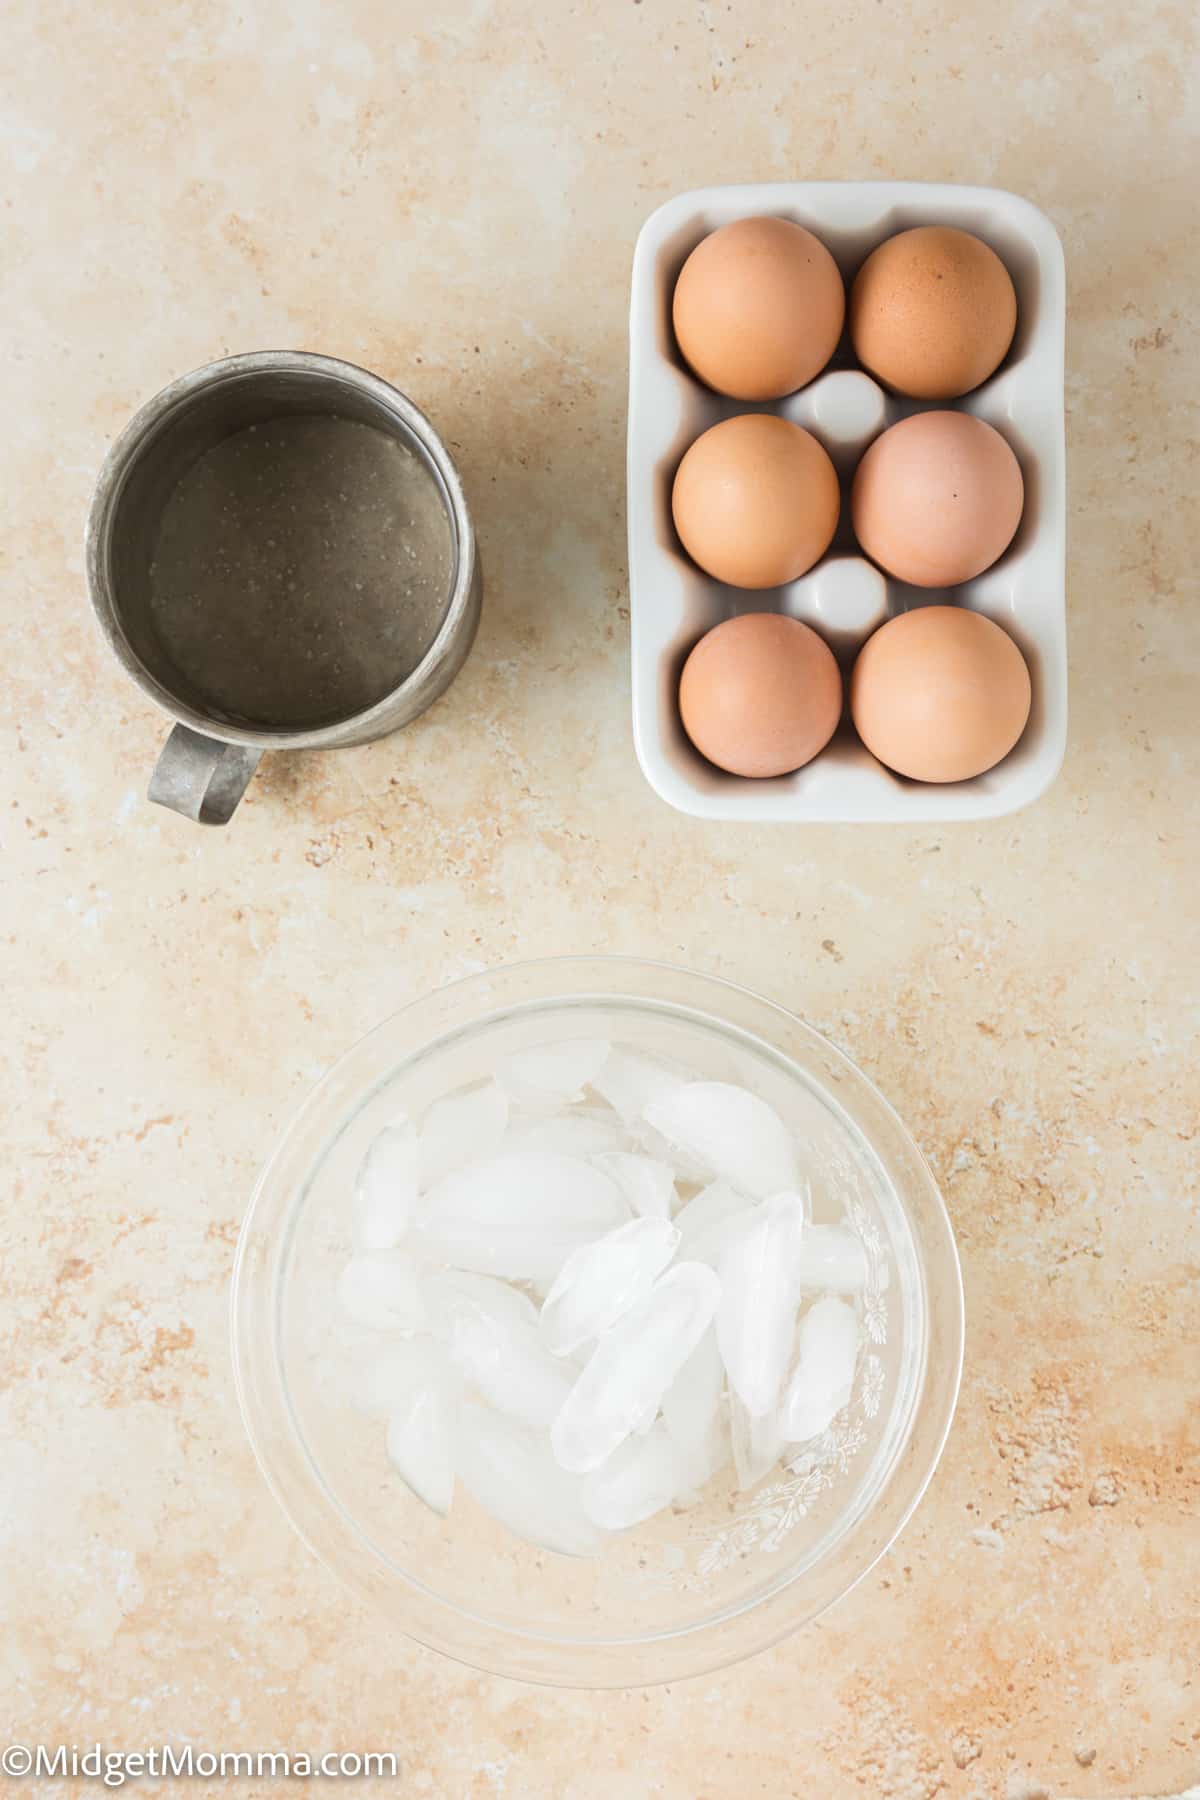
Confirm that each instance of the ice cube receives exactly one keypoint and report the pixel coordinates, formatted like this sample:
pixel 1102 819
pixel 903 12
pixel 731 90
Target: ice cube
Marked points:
pixel 556 1071
pixel 710 1458
pixel 382 1291
pixel 759 1295
pixel 636 1481
pixel 823 1379
pixel 647 1184
pixel 386 1189
pixel 691 1405
pixel 519 1214
pixel 491 1332
pixel 688 1168
pixel 709 1221
pixel 584 1131
pixel 392 1369
pixel 462 1127
pixel 422 1433
pixel 600 1281
pixel 734 1133
pixel 646 1423
pixel 511 1473
pixel 757 1443
pixel 832 1257
pixel 449 1290
pixel 633 1365
pixel 630 1080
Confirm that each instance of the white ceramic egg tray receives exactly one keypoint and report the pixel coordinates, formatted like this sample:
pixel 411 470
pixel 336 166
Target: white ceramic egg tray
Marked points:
pixel 672 603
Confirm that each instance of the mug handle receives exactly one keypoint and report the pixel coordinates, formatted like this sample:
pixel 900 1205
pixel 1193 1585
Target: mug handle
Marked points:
pixel 201 777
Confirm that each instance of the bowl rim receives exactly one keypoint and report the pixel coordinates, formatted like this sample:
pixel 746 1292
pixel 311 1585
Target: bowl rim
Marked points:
pixel 438 1624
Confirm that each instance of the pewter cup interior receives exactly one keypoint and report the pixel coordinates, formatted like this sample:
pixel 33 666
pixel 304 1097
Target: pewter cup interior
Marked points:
pixel 162 443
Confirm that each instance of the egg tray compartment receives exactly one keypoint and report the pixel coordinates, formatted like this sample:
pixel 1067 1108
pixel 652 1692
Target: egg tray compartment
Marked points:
pixel 845 597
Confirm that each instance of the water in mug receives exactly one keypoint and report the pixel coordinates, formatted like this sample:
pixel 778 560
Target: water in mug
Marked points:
pixel 301 571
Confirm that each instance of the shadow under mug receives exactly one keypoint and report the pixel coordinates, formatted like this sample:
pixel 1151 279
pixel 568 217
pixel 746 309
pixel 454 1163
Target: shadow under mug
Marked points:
pixel 208 761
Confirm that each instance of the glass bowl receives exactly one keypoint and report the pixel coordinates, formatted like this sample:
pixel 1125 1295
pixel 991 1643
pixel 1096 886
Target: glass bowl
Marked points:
pixel 694 1588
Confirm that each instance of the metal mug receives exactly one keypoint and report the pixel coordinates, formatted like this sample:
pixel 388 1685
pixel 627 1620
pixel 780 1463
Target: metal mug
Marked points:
pixel 207 761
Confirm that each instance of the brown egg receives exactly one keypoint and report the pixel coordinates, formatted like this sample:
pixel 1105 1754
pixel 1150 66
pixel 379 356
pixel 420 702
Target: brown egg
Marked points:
pixel 940 693
pixel 932 312
pixel 756 501
pixel 760 695
pixel 759 308
pixel 937 498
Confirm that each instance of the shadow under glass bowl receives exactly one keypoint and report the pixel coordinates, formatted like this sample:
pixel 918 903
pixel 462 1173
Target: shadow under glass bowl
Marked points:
pixel 690 1590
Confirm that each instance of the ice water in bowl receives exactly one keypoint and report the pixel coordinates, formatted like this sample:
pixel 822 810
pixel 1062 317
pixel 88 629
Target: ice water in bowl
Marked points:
pixel 592 1284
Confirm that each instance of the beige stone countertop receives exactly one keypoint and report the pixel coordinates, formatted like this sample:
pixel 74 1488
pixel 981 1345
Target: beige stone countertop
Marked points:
pixel 450 195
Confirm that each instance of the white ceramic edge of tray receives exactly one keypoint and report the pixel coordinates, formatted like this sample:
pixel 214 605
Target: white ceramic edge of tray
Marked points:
pixel 1026 590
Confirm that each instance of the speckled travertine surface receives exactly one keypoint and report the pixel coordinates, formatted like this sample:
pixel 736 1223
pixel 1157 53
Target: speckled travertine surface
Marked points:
pixel 450 195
